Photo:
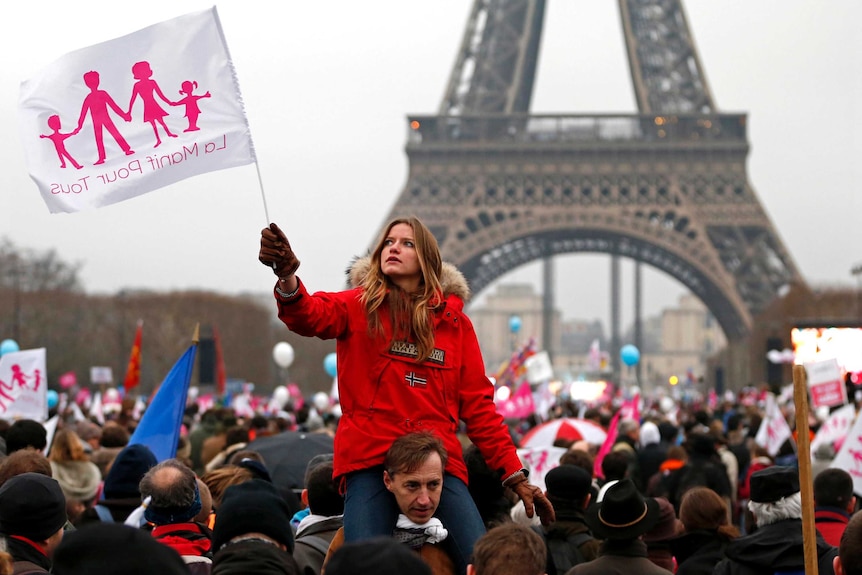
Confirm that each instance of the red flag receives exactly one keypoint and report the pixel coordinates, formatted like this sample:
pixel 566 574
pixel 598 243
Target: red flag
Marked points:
pixel 133 371
pixel 221 375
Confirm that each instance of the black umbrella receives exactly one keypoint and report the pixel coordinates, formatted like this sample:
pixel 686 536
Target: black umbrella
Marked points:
pixel 287 455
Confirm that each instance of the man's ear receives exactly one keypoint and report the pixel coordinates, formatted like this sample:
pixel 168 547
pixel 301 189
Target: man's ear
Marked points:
pixel 472 570
pixel 851 507
pixel 836 566
pixel 587 500
pixel 304 497
pixel 387 480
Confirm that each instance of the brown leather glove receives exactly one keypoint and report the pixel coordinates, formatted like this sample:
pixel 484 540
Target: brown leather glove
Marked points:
pixel 275 252
pixel 532 497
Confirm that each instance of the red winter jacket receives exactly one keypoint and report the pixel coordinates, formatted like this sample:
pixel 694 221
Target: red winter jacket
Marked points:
pixel 385 394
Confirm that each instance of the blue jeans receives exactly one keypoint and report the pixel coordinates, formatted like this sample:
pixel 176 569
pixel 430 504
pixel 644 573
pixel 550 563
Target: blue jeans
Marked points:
pixel 370 511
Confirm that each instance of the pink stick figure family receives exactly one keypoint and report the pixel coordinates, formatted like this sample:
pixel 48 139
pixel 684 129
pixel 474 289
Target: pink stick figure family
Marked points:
pixel 99 104
pixel 19 378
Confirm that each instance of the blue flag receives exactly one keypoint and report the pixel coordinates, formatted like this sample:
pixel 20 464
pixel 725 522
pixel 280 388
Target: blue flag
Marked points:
pixel 159 428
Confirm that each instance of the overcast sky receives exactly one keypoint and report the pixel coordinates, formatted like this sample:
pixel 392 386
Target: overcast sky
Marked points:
pixel 327 87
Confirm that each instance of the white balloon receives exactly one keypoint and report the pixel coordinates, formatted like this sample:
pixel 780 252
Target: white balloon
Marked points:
pixel 283 354
pixel 281 395
pixel 320 401
pixel 666 404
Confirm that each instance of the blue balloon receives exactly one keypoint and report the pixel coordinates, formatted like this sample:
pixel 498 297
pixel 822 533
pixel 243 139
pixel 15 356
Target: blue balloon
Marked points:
pixel 515 324
pixel 53 399
pixel 8 346
pixel 630 354
pixel 330 364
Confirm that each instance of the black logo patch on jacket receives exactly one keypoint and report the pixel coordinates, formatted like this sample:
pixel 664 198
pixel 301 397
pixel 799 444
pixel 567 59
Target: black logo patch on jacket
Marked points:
pixel 407 349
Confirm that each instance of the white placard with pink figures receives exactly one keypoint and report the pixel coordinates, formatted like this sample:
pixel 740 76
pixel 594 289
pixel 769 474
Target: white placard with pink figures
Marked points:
pixel 23 386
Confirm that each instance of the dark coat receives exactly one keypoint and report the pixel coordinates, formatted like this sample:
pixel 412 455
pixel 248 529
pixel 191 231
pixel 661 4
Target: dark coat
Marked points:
pixel 570 522
pixel 697 552
pixel 253 557
pixel 620 557
pixel 774 547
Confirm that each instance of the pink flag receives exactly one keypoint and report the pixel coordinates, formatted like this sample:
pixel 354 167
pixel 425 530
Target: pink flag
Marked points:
pixel 99 129
pixel 630 409
pixel 518 405
pixel 606 446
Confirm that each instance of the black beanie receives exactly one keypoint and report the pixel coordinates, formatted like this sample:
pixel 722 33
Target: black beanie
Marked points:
pixel 32 505
pixel 252 507
pixel 26 433
pixel 127 470
pixel 108 548
pixel 381 556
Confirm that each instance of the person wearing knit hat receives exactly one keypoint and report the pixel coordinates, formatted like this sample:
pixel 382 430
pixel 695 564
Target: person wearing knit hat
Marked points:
pixel 77 475
pixel 26 433
pixel 253 507
pixel 658 539
pixel 776 545
pixel 252 532
pixel 175 501
pixel 121 492
pixel 32 516
pixel 109 548
pixel 569 539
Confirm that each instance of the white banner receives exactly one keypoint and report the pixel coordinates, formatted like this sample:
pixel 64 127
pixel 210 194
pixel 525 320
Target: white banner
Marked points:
pixel 23 385
pixel 774 429
pixel 849 458
pixel 122 118
pixel 539 368
pixel 835 428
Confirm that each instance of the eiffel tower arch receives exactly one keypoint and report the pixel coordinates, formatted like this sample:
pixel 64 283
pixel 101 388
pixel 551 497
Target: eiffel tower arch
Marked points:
pixel 667 186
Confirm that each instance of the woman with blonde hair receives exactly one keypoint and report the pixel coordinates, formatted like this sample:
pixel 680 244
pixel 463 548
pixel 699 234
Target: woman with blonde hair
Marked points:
pixel 79 478
pixel 704 514
pixel 407 360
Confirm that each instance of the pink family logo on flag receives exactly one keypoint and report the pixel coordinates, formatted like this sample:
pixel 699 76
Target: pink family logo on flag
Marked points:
pixel 125 117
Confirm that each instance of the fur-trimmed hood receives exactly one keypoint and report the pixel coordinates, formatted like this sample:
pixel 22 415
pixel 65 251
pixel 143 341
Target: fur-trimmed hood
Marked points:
pixel 452 280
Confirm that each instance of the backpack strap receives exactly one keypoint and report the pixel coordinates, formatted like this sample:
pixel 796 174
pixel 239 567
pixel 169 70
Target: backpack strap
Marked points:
pixel 319 544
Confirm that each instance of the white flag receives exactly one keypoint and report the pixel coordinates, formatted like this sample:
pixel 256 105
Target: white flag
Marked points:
pixel 849 457
pixel 835 428
pixel 128 116
pixel 774 429
pixel 23 385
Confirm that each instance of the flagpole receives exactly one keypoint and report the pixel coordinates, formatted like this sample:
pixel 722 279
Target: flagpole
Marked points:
pixel 809 534
pixel 262 195
pixel 196 337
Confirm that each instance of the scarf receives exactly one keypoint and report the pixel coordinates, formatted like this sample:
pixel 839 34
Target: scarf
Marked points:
pixel 185 538
pixel 415 535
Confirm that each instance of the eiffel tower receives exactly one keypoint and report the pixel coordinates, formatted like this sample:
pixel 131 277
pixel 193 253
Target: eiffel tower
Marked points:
pixel 666 187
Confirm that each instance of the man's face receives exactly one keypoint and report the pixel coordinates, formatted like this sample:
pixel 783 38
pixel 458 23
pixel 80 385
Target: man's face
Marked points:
pixel 418 493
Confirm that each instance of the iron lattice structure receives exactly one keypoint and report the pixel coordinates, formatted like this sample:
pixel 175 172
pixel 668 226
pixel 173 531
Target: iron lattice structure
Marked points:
pixel 667 186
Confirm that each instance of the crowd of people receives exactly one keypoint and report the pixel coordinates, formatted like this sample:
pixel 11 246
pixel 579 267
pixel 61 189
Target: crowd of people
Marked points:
pixel 424 474
pixel 693 495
